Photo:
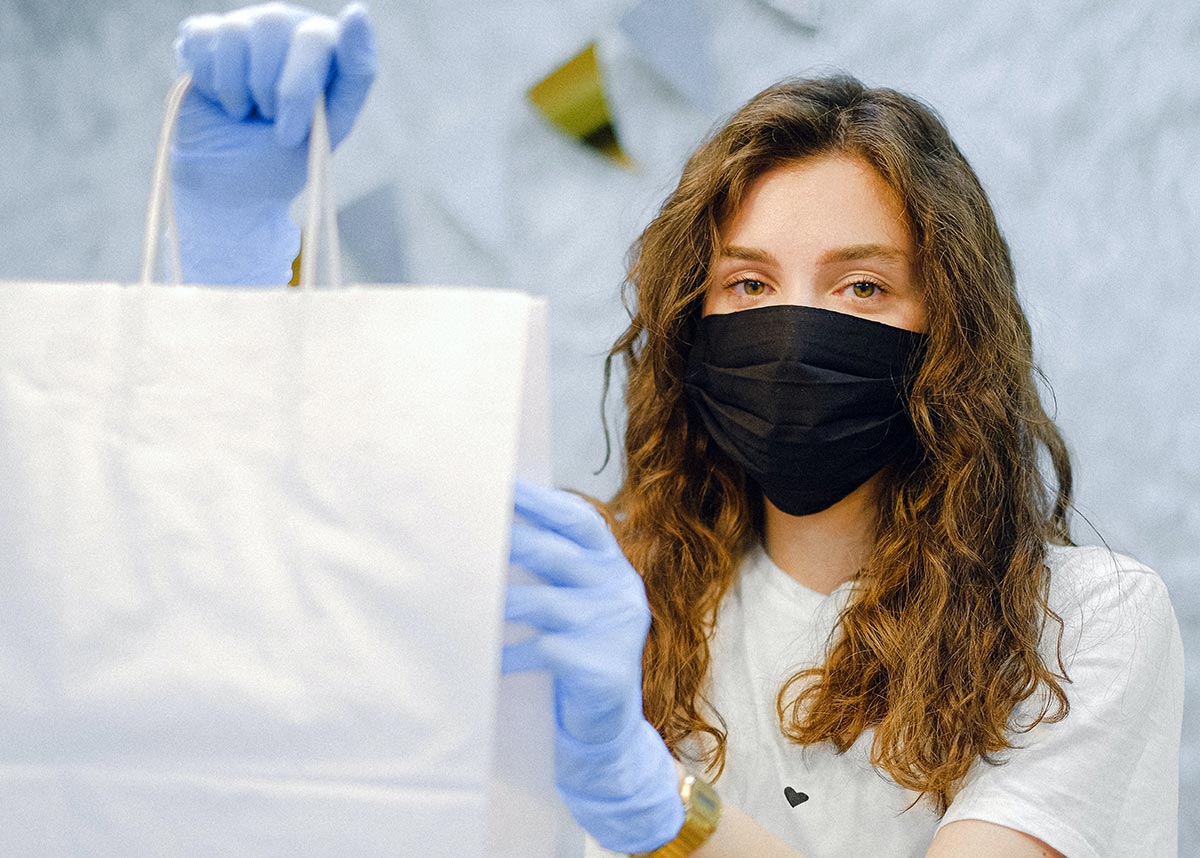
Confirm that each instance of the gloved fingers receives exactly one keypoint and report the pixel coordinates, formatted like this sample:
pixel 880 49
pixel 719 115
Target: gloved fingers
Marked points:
pixel 522 657
pixel 553 609
pixel 595 692
pixel 231 60
pixel 268 39
pixel 555 559
pixel 560 654
pixel 305 75
pixel 355 63
pixel 564 513
pixel 194 48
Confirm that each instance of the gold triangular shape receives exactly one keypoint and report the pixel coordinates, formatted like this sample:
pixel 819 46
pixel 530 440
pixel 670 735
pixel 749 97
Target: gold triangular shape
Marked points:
pixel 572 98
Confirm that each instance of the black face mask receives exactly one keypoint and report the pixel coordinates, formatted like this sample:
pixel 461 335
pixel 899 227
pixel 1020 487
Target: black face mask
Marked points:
pixel 810 402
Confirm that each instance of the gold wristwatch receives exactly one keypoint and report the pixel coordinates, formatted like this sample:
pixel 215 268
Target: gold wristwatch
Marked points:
pixel 701 813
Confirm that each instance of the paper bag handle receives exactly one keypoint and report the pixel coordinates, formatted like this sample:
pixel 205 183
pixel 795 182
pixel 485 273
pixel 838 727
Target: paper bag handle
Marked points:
pixel 318 207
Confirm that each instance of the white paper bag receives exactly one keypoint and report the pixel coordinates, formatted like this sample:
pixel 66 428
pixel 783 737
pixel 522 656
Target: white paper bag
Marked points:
pixel 253 546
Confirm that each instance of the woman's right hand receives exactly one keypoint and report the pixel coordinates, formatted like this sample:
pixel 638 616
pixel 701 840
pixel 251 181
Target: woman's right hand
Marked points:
pixel 239 155
pixel 590 618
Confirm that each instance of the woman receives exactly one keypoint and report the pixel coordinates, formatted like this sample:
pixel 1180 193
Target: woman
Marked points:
pixel 855 597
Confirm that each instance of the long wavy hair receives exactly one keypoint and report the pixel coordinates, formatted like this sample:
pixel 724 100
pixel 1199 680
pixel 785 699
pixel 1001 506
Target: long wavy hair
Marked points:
pixel 941 639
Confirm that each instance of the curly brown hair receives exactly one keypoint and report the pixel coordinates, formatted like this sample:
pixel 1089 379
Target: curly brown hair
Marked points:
pixel 941 642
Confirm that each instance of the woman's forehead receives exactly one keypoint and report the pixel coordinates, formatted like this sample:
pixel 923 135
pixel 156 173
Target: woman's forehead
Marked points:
pixel 819 204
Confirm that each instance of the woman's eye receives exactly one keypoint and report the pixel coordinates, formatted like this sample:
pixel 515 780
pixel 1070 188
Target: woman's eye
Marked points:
pixel 865 289
pixel 752 288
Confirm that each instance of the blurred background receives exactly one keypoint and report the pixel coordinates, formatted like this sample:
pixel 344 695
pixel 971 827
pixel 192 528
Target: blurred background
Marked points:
pixel 1081 118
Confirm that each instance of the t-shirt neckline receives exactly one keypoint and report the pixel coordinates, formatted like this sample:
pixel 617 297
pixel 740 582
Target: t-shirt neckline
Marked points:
pixel 784 584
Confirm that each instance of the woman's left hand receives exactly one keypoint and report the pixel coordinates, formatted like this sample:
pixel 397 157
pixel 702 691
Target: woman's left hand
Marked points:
pixel 589 613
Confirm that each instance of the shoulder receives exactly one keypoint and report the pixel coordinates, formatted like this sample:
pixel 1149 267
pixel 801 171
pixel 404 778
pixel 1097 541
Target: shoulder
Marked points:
pixel 1093 565
pixel 1092 584
pixel 1120 639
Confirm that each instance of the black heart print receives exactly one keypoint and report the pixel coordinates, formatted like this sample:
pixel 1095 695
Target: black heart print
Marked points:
pixel 794 798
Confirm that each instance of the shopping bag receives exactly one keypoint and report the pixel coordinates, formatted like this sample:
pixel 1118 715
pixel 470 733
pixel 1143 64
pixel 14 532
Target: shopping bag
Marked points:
pixel 253 546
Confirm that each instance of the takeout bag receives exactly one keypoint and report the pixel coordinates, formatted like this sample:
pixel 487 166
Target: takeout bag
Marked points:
pixel 253 544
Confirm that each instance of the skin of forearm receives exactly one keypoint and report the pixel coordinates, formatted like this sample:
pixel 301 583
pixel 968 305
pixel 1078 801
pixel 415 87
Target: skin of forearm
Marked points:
pixel 738 835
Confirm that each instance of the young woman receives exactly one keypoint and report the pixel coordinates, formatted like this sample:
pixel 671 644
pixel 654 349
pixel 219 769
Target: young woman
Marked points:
pixel 834 582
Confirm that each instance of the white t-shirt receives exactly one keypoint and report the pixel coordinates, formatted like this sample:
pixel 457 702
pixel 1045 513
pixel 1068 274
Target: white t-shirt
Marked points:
pixel 1102 783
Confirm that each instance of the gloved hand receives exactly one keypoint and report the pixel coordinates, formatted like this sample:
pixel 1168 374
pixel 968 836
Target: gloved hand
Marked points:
pixel 240 150
pixel 590 616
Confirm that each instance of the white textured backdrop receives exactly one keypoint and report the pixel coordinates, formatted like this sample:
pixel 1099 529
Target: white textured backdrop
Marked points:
pixel 1082 118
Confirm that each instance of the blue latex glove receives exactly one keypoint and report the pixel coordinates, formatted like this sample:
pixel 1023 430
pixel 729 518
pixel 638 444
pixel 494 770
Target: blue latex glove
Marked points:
pixel 240 149
pixel 590 616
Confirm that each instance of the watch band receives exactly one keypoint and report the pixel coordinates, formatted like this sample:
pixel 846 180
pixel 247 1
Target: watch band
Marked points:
pixel 701 813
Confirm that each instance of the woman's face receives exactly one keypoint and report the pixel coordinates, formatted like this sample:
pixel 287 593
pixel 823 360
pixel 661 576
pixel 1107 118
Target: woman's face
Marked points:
pixel 824 232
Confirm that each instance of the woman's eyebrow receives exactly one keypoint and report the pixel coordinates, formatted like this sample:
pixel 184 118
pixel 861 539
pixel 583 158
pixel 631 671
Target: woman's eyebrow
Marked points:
pixel 855 252
pixel 749 254
pixel 850 253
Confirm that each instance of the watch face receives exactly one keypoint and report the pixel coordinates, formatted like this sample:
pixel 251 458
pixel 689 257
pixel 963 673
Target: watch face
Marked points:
pixel 703 798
